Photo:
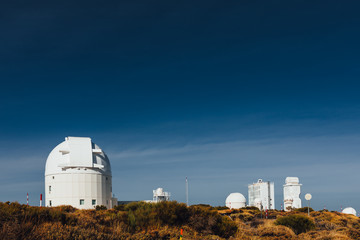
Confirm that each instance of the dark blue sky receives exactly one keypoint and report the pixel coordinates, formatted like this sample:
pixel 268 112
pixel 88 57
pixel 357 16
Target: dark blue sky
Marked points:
pixel 225 92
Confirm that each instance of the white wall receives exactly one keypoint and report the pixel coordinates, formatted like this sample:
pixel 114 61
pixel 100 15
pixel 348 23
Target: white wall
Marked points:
pixel 69 188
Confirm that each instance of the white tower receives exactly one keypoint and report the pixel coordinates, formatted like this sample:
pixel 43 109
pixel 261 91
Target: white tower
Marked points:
pixel 235 201
pixel 261 195
pixel 292 193
pixel 78 173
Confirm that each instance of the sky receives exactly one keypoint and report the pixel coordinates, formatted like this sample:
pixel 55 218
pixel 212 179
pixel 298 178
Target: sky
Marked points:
pixel 223 92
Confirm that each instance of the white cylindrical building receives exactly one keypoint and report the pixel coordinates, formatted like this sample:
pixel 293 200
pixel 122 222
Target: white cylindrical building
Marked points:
pixel 78 173
pixel 292 193
pixel 235 201
pixel 349 210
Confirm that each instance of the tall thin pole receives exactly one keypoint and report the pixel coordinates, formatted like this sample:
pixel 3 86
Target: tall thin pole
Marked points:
pixel 27 199
pixel 187 191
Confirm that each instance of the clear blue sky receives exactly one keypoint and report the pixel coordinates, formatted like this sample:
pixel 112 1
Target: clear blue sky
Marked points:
pixel 224 92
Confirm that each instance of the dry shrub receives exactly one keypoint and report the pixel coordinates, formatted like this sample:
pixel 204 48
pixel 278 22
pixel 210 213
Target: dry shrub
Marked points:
pixel 298 223
pixel 323 235
pixel 244 216
pixel 276 232
pixel 269 229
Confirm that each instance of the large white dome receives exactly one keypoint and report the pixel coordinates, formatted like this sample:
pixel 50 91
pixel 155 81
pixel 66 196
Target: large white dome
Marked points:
pixel 78 173
pixel 235 201
pixel 349 210
pixel 77 154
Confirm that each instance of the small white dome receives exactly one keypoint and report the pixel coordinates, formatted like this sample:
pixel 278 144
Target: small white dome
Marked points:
pixel 349 210
pixel 235 201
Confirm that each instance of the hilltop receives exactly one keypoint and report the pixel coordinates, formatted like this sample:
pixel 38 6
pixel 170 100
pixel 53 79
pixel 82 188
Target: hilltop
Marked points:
pixel 164 221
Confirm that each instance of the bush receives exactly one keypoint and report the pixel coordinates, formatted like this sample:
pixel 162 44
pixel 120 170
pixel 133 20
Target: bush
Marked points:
pixel 298 223
pixel 120 207
pixel 100 207
pixel 303 209
pixel 210 222
pixel 221 208
pixel 251 208
pixel 67 208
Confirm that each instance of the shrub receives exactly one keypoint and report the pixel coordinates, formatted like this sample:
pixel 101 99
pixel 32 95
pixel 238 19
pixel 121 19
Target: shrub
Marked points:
pixel 298 223
pixel 251 208
pixel 67 208
pixel 120 207
pixel 303 209
pixel 100 207
pixel 221 208
pixel 210 222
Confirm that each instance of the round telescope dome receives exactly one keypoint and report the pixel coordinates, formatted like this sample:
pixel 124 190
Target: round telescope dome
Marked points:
pixel 78 173
pixel 349 210
pixel 79 154
pixel 235 201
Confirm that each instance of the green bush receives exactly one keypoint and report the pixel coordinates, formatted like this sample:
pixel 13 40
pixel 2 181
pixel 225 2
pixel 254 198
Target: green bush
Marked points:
pixel 298 223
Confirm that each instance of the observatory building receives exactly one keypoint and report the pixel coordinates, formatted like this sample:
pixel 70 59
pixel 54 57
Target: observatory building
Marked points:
pixel 292 193
pixel 160 196
pixel 235 201
pixel 261 195
pixel 349 210
pixel 78 173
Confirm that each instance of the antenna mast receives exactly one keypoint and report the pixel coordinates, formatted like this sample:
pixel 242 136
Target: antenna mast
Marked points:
pixel 187 191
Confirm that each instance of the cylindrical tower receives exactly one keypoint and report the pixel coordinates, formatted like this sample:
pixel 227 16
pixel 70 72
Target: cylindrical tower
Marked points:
pixel 292 193
pixel 78 173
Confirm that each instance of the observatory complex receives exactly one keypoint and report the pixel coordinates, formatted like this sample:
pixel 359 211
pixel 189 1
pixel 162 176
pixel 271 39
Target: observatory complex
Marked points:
pixel 292 193
pixel 78 173
pixel 261 195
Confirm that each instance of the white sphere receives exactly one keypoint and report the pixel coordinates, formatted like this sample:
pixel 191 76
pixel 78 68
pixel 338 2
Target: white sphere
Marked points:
pixel 235 201
pixel 78 173
pixel 349 210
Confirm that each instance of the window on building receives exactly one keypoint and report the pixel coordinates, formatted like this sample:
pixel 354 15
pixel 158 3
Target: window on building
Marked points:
pixel 49 189
pixel 82 201
pixel 93 202
pixel 50 204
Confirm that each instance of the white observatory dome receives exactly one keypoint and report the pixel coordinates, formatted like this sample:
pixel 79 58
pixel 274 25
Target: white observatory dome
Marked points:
pixel 349 210
pixel 78 173
pixel 235 201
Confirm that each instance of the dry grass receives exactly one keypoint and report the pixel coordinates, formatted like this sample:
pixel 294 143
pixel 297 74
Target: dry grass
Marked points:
pixel 199 223
pixel 328 225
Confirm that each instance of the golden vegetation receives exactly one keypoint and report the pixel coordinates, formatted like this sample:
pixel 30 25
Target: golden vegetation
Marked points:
pixel 164 221
pixel 320 225
pixel 134 221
